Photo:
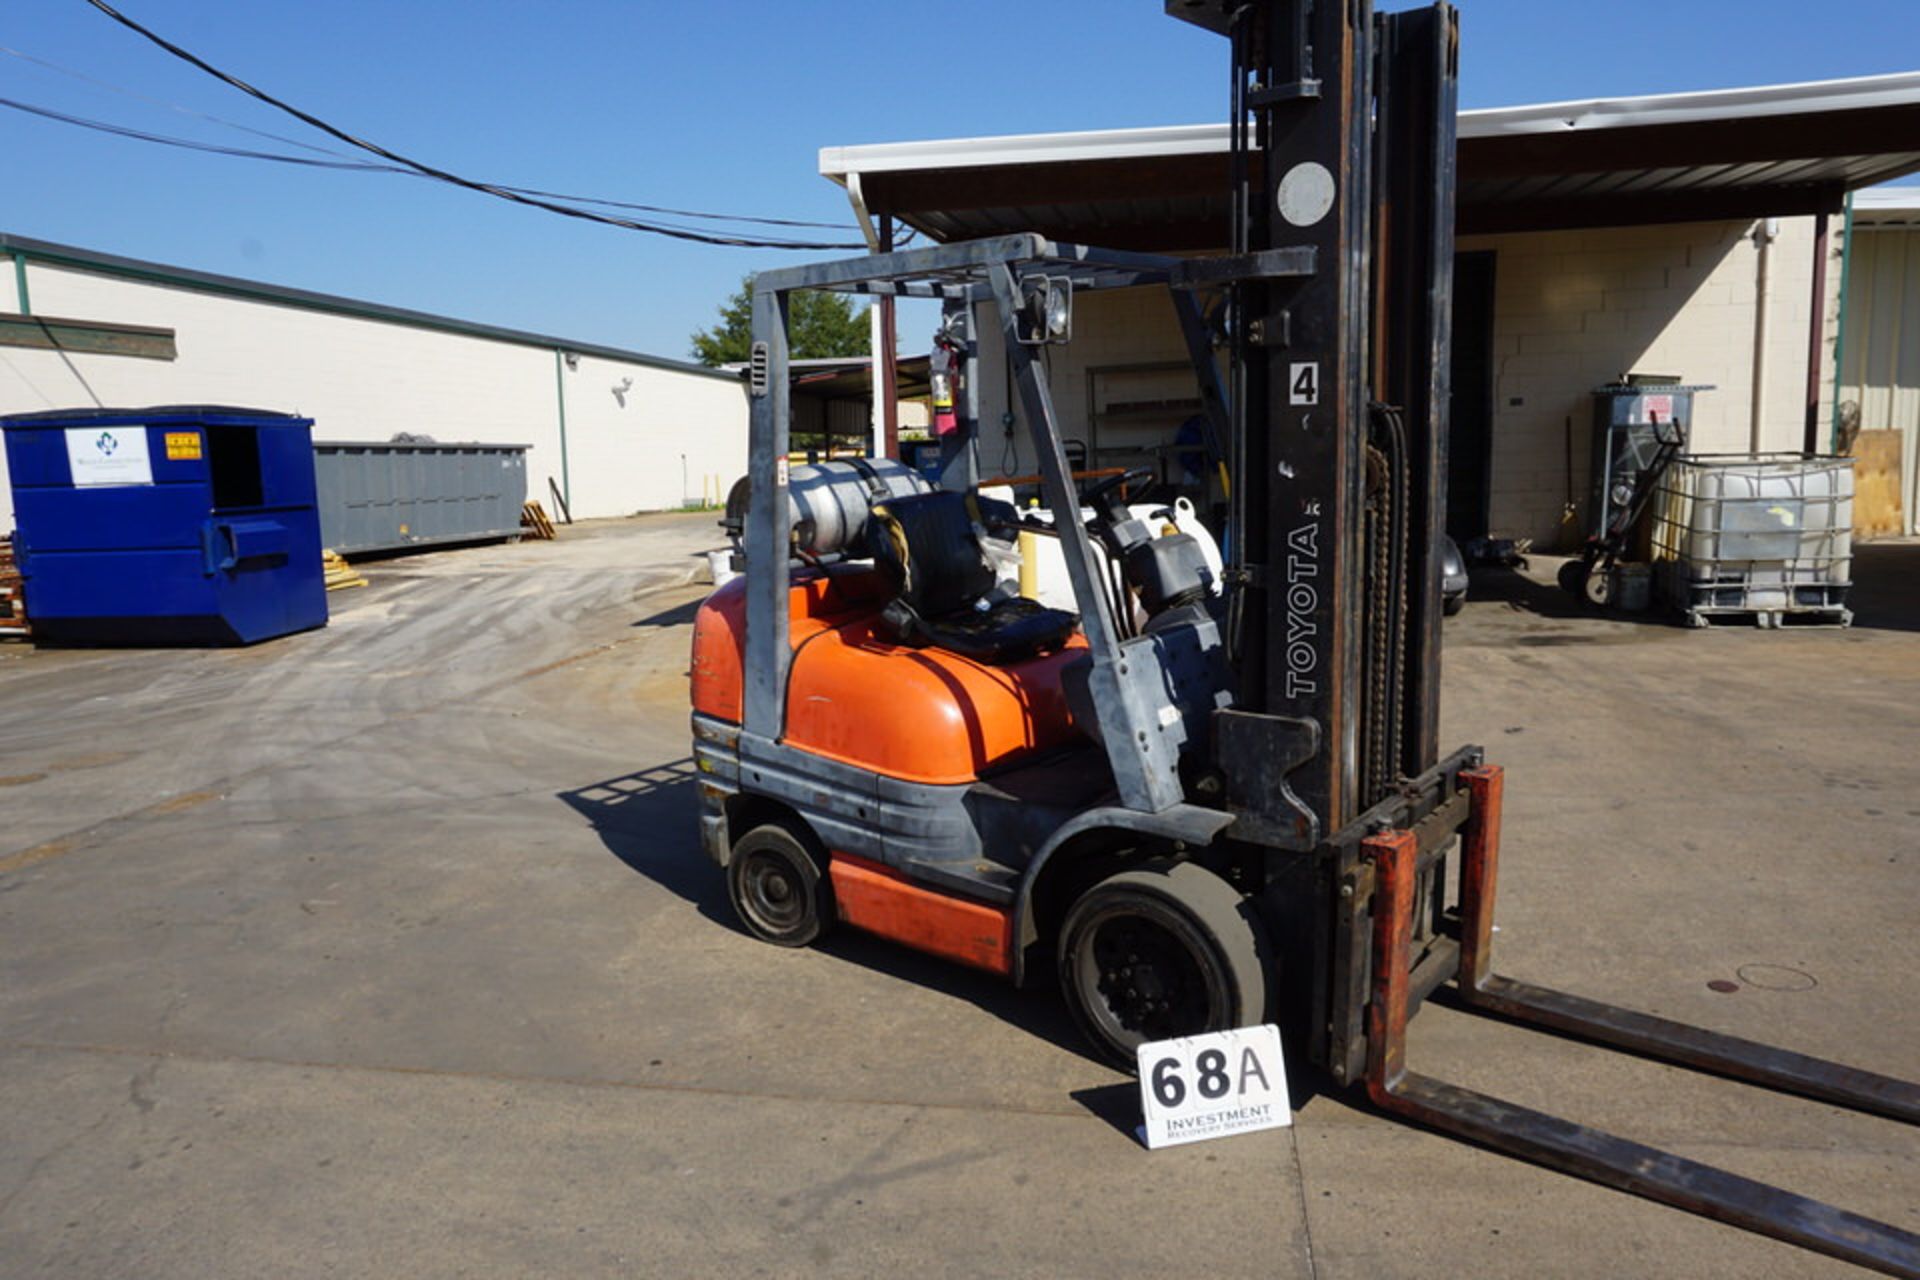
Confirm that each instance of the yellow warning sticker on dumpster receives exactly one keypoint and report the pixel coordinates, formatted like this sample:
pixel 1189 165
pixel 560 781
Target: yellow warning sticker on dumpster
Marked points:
pixel 183 446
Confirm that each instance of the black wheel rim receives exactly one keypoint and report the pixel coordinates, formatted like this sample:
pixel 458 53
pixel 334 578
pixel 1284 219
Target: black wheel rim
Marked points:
pixel 1140 980
pixel 772 892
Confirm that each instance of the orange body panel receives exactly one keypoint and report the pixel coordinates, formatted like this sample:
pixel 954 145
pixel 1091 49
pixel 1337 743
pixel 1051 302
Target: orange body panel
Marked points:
pixel 923 715
pixel 877 899
pixel 815 603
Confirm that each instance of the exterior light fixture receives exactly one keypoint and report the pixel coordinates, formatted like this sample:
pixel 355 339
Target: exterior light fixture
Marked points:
pixel 1046 310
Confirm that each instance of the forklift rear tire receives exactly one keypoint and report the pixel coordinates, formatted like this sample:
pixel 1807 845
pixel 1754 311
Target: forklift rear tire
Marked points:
pixel 1168 949
pixel 779 887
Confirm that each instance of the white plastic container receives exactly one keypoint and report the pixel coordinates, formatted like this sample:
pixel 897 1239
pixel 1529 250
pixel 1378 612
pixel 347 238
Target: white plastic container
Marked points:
pixel 1049 571
pixel 1769 535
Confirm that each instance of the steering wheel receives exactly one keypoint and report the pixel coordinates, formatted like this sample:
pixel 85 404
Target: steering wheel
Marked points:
pixel 1099 489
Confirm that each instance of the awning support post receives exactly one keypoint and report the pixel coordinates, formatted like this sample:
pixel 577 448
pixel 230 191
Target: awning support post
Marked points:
pixel 1816 335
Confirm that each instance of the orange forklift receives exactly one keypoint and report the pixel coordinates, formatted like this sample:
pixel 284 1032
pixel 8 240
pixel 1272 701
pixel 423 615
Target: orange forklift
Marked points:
pixel 1199 798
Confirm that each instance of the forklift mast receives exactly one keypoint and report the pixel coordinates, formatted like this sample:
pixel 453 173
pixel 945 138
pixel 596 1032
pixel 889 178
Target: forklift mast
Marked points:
pixel 1342 136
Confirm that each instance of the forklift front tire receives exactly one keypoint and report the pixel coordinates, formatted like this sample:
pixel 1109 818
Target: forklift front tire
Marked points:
pixel 1168 949
pixel 779 889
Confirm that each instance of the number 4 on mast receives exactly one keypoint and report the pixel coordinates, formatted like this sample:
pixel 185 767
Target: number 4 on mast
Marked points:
pixel 1303 383
pixel 1209 1086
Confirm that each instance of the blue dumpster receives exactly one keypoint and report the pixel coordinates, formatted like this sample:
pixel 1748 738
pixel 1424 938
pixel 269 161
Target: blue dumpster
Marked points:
pixel 178 525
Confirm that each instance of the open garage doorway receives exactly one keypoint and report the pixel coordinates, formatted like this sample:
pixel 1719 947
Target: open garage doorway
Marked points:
pixel 1470 420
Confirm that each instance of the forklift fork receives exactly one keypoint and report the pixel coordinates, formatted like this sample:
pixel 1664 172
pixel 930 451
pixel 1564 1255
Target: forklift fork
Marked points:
pixel 1573 1148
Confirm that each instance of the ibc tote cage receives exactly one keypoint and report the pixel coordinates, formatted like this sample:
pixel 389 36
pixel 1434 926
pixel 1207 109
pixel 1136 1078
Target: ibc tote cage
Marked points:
pixel 1766 535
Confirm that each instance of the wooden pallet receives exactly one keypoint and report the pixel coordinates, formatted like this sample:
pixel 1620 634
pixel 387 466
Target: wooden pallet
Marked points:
pixel 534 520
pixel 13 602
pixel 1771 619
pixel 339 574
pixel 1876 485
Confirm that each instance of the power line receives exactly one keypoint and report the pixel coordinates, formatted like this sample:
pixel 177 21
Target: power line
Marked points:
pixel 212 148
pixel 485 188
pixel 125 131
pixel 162 102
pixel 142 135
pixel 681 213
pixel 191 144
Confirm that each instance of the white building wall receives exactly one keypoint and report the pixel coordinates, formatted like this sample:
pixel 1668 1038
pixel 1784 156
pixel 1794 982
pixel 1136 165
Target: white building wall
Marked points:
pixel 668 440
pixel 366 379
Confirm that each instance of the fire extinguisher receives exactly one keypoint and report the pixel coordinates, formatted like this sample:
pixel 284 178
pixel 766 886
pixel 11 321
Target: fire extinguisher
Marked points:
pixel 944 366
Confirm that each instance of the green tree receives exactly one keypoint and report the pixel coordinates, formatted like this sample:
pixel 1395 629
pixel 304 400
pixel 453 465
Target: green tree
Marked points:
pixel 818 325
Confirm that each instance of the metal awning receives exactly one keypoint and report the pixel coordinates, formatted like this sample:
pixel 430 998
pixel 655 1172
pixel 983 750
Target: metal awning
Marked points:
pixel 851 378
pixel 1766 151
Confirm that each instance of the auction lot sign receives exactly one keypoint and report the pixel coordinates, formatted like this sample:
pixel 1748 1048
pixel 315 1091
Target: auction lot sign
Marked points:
pixel 1210 1086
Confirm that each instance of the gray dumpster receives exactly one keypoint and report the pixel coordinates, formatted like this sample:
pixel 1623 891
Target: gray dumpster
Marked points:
pixel 399 494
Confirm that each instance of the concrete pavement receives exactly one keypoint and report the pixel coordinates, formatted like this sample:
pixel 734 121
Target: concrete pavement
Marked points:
pixel 389 949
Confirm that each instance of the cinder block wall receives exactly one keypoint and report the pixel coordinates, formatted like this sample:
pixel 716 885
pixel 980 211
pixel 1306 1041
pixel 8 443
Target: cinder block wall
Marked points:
pixel 1572 310
pixel 1117 328
pixel 1575 309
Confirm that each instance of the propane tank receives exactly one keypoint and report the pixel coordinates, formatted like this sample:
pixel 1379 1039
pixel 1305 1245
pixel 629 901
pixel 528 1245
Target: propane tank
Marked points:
pixel 829 502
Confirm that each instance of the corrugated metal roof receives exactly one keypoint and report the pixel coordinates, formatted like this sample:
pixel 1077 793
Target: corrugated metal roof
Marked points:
pixel 1696 107
pixel 1765 150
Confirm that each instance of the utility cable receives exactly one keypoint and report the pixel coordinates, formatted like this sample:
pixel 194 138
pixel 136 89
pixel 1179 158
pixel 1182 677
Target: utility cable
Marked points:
pixel 245 153
pixel 330 151
pixel 453 179
pixel 170 106
pixel 681 213
pixel 142 135
pixel 212 148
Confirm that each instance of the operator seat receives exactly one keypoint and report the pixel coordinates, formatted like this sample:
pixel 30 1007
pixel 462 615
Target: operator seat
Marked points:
pixel 928 546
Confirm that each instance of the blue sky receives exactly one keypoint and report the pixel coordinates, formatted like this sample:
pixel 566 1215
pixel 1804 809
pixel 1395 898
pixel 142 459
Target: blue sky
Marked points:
pixel 714 106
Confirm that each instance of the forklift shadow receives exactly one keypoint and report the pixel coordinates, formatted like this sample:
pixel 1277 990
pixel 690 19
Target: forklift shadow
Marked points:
pixel 675 616
pixel 647 819
pixel 1036 1010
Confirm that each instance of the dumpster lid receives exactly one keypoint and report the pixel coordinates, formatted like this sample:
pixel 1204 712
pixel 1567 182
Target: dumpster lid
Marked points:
pixel 418 446
pixel 206 414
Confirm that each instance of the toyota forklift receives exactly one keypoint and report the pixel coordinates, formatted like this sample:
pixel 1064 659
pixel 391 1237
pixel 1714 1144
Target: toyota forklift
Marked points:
pixel 1199 798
